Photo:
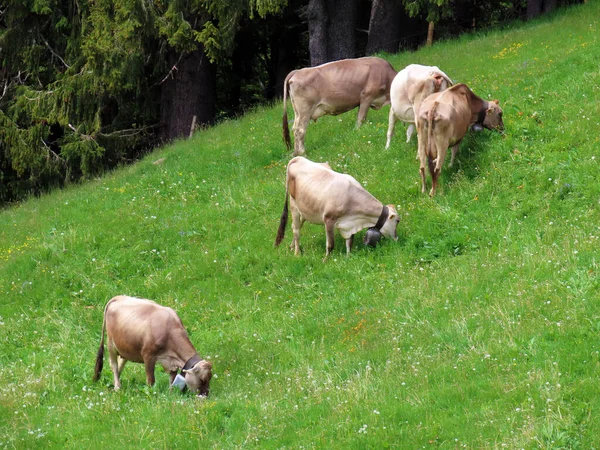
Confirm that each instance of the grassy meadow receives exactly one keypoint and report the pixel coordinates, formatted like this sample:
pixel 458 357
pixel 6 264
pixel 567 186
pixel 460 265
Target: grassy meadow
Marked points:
pixel 479 328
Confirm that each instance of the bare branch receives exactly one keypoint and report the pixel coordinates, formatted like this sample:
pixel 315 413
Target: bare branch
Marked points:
pixel 174 68
pixel 85 137
pixel 52 153
pixel 55 54
pixel 128 132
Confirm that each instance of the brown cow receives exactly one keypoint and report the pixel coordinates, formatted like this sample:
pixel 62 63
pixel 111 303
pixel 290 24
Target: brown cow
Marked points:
pixel 320 195
pixel 443 120
pixel 334 88
pixel 145 332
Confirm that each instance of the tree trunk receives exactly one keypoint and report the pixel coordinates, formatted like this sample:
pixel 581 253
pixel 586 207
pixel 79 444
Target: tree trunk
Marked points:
pixel 341 31
pixel 430 33
pixel 316 13
pixel 332 30
pixel 384 26
pixel 534 8
pixel 288 48
pixel 189 91
pixel 549 5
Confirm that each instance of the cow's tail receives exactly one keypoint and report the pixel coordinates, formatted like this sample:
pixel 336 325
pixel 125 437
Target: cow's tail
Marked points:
pixel 431 150
pixel 100 355
pixel 284 217
pixel 285 125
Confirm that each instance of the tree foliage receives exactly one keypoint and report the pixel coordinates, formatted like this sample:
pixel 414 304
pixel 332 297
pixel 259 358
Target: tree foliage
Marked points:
pixel 86 85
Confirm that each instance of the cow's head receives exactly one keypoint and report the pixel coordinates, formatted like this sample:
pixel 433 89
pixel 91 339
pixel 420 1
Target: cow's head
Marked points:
pixel 493 117
pixel 198 377
pixel 391 224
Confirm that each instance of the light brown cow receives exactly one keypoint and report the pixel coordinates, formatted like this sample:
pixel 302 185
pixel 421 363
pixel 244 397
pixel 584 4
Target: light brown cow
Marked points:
pixel 334 88
pixel 443 120
pixel 409 88
pixel 145 332
pixel 320 195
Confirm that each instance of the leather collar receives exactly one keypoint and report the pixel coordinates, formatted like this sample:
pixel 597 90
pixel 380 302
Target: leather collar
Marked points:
pixel 382 218
pixel 482 113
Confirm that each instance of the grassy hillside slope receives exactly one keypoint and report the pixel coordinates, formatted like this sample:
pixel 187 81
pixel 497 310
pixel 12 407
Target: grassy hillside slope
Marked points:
pixel 479 328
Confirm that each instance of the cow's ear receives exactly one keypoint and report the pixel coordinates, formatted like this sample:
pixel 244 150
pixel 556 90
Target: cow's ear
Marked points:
pixel 495 101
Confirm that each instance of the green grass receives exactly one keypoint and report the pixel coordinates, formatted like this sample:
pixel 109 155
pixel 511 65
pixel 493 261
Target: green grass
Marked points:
pixel 479 328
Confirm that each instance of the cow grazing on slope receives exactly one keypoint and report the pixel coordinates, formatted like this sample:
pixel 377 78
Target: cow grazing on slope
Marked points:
pixel 334 88
pixel 145 332
pixel 443 120
pixel 410 87
pixel 319 195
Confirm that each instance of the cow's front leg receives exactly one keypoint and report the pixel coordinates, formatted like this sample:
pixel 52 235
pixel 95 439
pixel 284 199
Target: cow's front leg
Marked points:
pixel 363 109
pixel 329 232
pixel 409 132
pixel 349 243
pixel 172 375
pixel 454 151
pixel 149 364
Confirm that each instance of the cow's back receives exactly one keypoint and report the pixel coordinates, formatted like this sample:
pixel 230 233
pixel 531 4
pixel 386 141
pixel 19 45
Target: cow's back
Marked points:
pixel 133 323
pixel 337 86
pixel 317 190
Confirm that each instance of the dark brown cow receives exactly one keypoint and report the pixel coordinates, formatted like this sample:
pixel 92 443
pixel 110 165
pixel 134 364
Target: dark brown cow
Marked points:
pixel 443 120
pixel 320 195
pixel 145 332
pixel 334 88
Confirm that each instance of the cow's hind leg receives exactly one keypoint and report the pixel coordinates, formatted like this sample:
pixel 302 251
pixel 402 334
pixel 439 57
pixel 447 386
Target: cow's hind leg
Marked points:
pixel 114 364
pixel 297 222
pixel 121 364
pixel 391 125
pixel 434 176
pixel 436 169
pixel 423 159
pixel 299 127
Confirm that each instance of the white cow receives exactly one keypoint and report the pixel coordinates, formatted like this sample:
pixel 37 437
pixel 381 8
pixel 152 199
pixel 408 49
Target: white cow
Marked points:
pixel 409 88
pixel 320 195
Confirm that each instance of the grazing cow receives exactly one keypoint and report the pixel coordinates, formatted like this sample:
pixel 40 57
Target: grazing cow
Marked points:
pixel 145 332
pixel 408 90
pixel 334 88
pixel 320 195
pixel 443 120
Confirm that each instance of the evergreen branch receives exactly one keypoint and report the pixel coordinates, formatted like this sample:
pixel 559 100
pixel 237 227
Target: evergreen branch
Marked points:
pixel 55 54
